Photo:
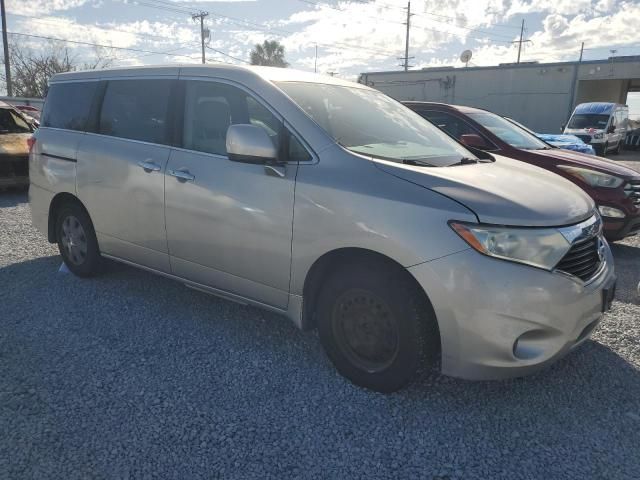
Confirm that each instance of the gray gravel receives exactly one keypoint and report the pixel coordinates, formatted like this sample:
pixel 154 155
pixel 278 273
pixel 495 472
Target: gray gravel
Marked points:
pixel 134 376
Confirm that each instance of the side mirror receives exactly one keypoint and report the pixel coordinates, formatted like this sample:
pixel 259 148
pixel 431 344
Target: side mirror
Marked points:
pixel 562 128
pixel 473 140
pixel 611 129
pixel 250 144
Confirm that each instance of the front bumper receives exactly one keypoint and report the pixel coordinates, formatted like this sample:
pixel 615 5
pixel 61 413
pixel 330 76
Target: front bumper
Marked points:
pixel 483 305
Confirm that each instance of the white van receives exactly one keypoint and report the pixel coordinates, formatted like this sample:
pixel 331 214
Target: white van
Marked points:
pixel 600 124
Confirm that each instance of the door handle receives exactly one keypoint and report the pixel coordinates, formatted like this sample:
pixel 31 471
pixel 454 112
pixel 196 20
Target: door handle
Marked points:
pixel 149 166
pixel 182 175
pixel 275 170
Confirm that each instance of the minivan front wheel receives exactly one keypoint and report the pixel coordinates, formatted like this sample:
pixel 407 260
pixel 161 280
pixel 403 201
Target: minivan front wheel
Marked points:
pixel 376 326
pixel 77 241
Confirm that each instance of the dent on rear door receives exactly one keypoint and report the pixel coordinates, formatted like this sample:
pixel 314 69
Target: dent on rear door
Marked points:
pixel 54 165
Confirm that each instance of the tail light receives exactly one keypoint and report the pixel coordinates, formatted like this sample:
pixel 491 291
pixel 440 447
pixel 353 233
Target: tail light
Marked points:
pixel 31 141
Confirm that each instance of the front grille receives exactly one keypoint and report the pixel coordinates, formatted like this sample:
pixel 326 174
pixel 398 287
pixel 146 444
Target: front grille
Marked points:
pixel 585 138
pixel 633 191
pixel 582 260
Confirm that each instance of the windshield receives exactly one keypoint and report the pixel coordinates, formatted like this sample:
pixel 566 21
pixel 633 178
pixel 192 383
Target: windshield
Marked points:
pixel 508 132
pixel 588 120
pixel 11 122
pixel 370 123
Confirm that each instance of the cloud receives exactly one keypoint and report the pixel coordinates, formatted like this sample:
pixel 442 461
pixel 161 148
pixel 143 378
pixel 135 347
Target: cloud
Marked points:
pixel 172 37
pixel 364 35
pixel 42 7
pixel 561 7
pixel 561 36
pixel 354 36
pixel 213 1
pixel 440 26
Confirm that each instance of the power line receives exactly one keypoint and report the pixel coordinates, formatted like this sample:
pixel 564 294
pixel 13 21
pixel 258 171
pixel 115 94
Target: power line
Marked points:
pixel 271 30
pixel 486 32
pixel 49 20
pixel 227 55
pixel 172 6
pixel 99 45
pixel 389 6
pixel 629 47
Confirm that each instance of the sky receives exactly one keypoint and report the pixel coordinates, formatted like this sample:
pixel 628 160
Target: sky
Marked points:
pixel 351 36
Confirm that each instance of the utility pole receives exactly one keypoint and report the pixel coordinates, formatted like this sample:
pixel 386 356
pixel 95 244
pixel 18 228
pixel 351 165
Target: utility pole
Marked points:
pixel 204 32
pixel 521 41
pixel 574 83
pixel 406 44
pixel 5 42
pixel 315 64
pixel 581 52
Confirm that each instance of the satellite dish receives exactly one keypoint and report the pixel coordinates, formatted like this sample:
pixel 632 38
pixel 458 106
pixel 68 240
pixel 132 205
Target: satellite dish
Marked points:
pixel 466 56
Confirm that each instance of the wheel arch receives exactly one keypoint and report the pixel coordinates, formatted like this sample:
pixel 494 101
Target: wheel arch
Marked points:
pixel 329 261
pixel 60 199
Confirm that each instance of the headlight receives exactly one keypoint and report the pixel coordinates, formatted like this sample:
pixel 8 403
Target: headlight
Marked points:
pixel 598 135
pixel 592 177
pixel 610 212
pixel 539 247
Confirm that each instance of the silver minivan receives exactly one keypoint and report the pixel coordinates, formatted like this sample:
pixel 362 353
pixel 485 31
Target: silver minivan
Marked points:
pixel 326 201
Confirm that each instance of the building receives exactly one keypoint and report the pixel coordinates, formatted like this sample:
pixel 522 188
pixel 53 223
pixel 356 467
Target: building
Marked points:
pixel 539 95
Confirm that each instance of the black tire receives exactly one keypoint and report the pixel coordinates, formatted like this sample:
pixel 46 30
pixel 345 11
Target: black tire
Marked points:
pixel 376 326
pixel 602 152
pixel 82 264
pixel 618 148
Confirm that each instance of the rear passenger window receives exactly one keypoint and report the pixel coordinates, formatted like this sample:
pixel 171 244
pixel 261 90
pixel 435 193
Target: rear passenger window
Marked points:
pixel 210 108
pixel 136 109
pixel 67 105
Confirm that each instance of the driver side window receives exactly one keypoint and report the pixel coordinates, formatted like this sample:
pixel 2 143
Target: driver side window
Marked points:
pixel 451 124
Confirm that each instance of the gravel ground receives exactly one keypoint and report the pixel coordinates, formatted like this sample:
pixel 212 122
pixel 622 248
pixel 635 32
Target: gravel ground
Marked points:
pixel 130 375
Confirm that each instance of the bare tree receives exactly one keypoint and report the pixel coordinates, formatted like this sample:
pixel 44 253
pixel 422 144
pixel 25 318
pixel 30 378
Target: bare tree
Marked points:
pixel 103 57
pixel 31 70
pixel 270 53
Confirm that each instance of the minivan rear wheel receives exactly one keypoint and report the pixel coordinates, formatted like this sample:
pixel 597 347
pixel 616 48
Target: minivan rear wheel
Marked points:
pixel 77 241
pixel 376 326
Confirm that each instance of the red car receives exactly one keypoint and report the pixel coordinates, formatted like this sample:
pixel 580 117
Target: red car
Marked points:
pixel 614 188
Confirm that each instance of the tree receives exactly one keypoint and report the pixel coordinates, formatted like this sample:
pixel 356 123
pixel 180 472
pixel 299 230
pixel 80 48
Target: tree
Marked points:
pixel 31 70
pixel 270 53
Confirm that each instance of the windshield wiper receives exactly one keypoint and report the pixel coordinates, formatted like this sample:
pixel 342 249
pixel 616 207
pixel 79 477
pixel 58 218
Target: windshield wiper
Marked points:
pixel 465 161
pixel 417 163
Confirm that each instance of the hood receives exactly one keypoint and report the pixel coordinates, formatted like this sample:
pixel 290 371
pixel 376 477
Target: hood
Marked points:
pixel 504 192
pixel 14 143
pixel 588 161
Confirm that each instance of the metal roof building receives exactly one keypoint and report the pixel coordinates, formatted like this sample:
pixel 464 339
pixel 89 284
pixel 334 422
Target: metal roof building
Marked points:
pixel 539 95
